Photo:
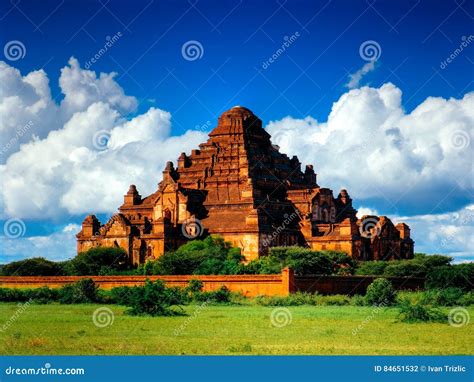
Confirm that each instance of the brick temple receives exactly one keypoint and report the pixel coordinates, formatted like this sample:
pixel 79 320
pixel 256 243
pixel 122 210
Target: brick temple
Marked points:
pixel 239 186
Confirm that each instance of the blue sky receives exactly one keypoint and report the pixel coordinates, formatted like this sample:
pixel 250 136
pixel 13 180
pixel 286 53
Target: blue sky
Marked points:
pixel 236 39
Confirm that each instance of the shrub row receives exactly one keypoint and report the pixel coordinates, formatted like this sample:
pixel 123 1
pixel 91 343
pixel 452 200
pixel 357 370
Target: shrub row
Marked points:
pixel 83 291
pixel 436 268
pixel 154 298
pixel 380 293
pixel 95 261
pixel 198 257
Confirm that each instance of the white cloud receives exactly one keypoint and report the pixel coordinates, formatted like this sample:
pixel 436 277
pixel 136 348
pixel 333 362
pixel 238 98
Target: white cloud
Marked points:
pixel 60 245
pixel 372 147
pixel 71 170
pixel 362 211
pixel 355 78
pixel 27 109
pixel 447 233
pixel 82 88
pixel 368 145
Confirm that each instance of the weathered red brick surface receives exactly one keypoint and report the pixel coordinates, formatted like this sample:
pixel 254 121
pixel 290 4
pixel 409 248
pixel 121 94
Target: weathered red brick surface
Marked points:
pixel 239 186
pixel 249 285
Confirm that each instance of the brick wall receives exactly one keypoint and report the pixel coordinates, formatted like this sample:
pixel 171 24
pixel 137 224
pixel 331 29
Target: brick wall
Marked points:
pixel 249 285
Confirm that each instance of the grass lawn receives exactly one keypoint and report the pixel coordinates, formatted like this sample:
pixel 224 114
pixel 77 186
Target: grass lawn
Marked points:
pixel 246 329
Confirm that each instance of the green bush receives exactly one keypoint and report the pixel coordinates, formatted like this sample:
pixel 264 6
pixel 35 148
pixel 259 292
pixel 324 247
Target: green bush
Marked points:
pixel 419 312
pixel 36 266
pixel 467 299
pixel 199 257
pixel 431 261
pixel 342 264
pixel 380 292
pixel 419 266
pixel 12 295
pixel 154 299
pixel 375 268
pixel 195 286
pixel 358 300
pixel 456 276
pixel 265 265
pixel 303 261
pixel 123 295
pixel 301 298
pixel 337 300
pixel 406 269
pixel 443 297
pixel 98 261
pixel 82 292
pixel 43 295
pixel 295 299
pixel 219 296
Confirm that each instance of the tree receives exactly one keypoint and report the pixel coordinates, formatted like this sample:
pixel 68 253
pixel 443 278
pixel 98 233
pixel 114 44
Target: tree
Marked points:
pixel 98 261
pixel 36 266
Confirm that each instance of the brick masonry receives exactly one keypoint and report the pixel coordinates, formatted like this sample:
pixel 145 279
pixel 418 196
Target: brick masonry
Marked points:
pixel 249 285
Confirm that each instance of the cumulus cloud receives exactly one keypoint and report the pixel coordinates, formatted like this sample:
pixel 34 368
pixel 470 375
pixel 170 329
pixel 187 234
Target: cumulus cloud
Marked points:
pixel 85 162
pixel 79 155
pixel 28 111
pixel 60 245
pixel 414 161
pixel 447 233
pixel 82 88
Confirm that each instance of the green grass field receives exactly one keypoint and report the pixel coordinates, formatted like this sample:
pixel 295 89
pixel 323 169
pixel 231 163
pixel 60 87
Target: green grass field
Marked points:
pixel 246 329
